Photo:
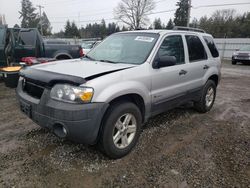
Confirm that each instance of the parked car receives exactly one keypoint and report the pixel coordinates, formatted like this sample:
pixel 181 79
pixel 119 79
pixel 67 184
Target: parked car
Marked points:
pixel 88 45
pixel 242 55
pixel 107 96
pixel 17 43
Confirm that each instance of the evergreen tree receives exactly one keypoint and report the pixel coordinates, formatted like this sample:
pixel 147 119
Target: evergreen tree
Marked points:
pixel 170 24
pixel 16 26
pixel 157 24
pixel 71 30
pixel 181 14
pixel 28 15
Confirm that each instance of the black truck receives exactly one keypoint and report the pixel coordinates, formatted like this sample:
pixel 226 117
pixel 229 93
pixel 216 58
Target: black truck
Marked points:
pixel 16 43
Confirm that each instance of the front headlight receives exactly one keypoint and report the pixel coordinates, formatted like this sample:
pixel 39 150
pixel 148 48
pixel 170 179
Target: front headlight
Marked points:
pixel 73 94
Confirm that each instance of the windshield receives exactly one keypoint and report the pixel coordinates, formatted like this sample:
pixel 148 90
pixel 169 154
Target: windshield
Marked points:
pixel 130 48
pixel 245 48
pixel 88 44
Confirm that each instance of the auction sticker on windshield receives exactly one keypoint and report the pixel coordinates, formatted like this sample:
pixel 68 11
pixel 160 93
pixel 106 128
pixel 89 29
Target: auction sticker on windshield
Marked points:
pixel 144 39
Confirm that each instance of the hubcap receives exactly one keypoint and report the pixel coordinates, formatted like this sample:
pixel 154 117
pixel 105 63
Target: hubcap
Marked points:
pixel 124 131
pixel 209 97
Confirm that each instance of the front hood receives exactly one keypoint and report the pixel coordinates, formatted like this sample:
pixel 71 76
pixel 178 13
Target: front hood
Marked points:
pixel 71 71
pixel 247 53
pixel 80 68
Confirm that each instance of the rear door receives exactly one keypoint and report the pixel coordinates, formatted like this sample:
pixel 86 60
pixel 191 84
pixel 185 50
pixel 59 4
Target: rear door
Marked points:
pixel 3 31
pixel 26 44
pixel 198 62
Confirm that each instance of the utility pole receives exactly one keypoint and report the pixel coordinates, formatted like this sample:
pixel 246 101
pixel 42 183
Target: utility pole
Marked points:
pixel 189 12
pixel 40 13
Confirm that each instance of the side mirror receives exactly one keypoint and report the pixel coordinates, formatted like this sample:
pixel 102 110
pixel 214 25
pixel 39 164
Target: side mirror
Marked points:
pixel 165 61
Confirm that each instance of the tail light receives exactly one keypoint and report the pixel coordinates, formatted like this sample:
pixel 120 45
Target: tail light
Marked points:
pixel 81 52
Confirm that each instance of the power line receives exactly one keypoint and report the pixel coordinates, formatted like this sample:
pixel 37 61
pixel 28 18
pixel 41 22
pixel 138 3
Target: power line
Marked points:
pixel 219 5
pixel 158 12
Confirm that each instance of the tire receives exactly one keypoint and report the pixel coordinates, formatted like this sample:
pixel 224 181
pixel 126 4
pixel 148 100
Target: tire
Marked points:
pixel 206 103
pixel 234 62
pixel 120 111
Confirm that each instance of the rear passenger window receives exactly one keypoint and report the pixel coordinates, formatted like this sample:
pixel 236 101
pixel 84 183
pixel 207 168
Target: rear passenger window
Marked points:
pixel 173 46
pixel 211 46
pixel 196 49
pixel 27 38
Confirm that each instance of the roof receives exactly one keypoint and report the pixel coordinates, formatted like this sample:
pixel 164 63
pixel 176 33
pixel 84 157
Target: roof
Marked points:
pixel 165 31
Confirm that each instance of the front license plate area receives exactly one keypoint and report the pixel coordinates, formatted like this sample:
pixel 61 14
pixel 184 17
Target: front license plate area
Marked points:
pixel 25 108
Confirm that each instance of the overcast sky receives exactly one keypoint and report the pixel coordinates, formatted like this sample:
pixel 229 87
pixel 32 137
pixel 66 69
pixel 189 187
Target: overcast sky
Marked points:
pixel 85 11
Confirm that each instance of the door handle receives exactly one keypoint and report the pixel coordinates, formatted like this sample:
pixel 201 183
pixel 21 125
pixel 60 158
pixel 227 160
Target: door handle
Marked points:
pixel 206 67
pixel 182 72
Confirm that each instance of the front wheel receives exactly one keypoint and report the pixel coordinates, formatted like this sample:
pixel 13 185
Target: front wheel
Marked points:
pixel 121 129
pixel 234 62
pixel 207 99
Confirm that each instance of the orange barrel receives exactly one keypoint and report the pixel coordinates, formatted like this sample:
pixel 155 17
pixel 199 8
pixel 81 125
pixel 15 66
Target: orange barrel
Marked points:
pixel 10 75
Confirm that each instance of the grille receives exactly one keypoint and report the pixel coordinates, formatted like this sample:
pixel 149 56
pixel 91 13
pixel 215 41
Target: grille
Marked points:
pixel 243 54
pixel 33 90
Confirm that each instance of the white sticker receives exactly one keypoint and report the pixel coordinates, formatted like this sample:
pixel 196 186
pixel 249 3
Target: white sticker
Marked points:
pixel 144 39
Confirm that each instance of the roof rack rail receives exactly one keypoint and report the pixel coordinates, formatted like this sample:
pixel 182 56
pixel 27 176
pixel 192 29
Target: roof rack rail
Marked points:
pixel 188 29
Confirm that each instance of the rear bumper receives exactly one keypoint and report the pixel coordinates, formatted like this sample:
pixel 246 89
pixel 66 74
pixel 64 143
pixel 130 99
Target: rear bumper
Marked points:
pixel 81 121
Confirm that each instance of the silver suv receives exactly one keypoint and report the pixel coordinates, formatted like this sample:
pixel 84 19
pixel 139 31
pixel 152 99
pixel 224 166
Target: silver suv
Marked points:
pixel 106 97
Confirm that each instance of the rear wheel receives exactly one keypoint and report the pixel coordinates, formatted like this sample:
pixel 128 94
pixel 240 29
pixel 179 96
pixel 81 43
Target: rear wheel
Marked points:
pixel 121 129
pixel 207 99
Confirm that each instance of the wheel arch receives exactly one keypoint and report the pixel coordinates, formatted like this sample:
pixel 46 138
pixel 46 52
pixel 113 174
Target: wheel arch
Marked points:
pixel 214 78
pixel 63 56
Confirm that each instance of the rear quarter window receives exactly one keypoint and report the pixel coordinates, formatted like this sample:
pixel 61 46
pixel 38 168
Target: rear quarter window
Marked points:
pixel 210 44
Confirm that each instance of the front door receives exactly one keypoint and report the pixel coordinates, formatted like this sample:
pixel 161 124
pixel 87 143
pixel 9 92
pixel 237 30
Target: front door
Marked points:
pixel 26 44
pixel 169 83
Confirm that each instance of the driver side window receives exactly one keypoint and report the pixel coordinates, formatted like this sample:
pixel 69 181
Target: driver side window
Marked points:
pixel 173 46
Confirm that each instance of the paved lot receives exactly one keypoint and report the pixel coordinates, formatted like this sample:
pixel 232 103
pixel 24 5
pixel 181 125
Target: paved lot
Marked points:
pixel 181 148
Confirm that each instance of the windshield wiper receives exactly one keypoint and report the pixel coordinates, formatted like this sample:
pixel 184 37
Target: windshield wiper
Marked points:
pixel 107 61
pixel 90 58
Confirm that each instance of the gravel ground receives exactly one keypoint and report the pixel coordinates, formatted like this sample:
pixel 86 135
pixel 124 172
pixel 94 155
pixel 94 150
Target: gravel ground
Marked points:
pixel 181 148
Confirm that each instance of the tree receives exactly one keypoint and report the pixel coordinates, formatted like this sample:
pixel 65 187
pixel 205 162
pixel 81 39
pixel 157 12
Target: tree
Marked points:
pixel 170 24
pixel 157 24
pixel 134 12
pixel 28 15
pixel 181 13
pixel 194 23
pixel 60 34
pixel 71 30
pixel 46 26
pixel 16 26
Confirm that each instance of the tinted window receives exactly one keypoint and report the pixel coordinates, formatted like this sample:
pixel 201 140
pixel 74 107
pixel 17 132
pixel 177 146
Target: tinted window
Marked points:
pixel 211 46
pixel 2 32
pixel 195 48
pixel 130 48
pixel 173 46
pixel 27 38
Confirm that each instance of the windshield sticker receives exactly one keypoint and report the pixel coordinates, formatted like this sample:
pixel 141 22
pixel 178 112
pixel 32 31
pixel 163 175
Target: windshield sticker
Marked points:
pixel 144 39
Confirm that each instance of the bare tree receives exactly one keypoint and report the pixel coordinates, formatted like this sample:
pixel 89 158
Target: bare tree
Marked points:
pixel 134 12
